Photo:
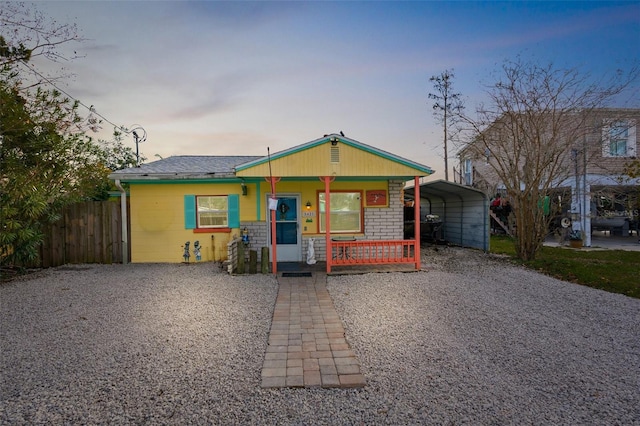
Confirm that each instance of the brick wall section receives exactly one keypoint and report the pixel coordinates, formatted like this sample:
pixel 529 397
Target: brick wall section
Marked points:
pixel 257 236
pixel 386 223
pixel 257 240
pixel 319 247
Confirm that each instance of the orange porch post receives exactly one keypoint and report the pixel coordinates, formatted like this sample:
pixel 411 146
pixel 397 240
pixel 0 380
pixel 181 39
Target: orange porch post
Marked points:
pixel 416 213
pixel 274 250
pixel 327 221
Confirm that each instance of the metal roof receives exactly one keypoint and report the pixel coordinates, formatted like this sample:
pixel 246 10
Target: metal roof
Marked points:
pixel 445 189
pixel 464 211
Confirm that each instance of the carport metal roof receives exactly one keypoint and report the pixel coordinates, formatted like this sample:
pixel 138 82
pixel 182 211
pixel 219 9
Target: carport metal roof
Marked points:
pixel 464 211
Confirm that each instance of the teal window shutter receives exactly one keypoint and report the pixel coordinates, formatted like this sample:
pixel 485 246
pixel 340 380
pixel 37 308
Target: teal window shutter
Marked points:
pixel 189 212
pixel 233 205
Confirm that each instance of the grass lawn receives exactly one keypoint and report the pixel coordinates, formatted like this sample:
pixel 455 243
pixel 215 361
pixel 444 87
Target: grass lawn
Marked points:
pixel 616 271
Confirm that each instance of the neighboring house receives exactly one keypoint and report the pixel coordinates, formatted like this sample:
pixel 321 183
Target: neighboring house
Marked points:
pixel 594 190
pixel 218 200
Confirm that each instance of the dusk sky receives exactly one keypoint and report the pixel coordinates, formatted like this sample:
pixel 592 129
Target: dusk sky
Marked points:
pixel 233 78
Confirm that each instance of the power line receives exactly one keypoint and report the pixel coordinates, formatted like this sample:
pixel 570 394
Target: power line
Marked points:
pixel 91 109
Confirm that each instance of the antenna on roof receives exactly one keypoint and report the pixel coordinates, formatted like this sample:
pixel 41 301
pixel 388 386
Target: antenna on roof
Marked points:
pixel 137 131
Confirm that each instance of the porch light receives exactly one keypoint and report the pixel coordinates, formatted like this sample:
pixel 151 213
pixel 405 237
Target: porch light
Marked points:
pixel 244 188
pixel 308 205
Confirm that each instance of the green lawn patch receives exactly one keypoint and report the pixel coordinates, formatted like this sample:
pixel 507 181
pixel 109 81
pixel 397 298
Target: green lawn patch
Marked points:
pixel 615 271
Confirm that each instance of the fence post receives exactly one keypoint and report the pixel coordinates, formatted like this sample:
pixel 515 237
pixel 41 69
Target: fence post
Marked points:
pixel 264 260
pixel 241 258
pixel 253 261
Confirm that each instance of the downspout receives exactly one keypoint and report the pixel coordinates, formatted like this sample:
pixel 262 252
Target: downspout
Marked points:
pixel 123 211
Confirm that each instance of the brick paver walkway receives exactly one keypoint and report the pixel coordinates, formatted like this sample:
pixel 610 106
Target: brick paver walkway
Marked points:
pixel 307 345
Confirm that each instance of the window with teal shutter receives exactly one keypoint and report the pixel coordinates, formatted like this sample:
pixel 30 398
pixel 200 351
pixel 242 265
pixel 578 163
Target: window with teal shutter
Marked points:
pixel 234 210
pixel 189 212
pixel 211 211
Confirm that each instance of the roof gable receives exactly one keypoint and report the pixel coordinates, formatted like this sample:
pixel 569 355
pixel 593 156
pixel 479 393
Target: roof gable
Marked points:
pixel 333 155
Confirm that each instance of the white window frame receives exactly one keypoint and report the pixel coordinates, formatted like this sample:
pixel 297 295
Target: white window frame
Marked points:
pixel 218 212
pixel 467 171
pixel 630 142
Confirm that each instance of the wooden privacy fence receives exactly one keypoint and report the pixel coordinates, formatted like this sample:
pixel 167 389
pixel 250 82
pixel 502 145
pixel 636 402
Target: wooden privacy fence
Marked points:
pixel 87 232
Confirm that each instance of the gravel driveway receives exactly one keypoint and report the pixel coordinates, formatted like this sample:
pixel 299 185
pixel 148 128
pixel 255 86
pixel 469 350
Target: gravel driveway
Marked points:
pixel 469 340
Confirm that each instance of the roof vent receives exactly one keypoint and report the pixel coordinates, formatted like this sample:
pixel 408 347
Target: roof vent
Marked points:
pixel 335 154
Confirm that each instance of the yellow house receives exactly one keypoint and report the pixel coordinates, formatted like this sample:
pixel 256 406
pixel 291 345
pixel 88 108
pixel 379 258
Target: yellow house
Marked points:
pixel 208 203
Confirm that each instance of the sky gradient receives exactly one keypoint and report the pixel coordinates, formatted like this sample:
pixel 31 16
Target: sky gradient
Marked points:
pixel 222 78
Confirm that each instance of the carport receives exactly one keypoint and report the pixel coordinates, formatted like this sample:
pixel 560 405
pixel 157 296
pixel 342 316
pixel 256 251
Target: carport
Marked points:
pixel 463 210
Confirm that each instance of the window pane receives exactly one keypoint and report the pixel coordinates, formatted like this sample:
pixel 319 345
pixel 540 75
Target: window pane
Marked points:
pixel 212 203
pixel 467 172
pixel 345 212
pixel 287 209
pixel 619 131
pixel 212 211
pixel 618 148
pixel 213 219
pixel 287 233
pixel 618 136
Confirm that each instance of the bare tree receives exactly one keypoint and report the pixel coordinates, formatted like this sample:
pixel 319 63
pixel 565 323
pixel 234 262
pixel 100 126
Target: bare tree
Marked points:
pixel 528 132
pixel 25 34
pixel 632 168
pixel 447 107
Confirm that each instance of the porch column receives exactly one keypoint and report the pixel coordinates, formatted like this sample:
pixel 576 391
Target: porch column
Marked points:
pixel 416 213
pixel 327 221
pixel 274 257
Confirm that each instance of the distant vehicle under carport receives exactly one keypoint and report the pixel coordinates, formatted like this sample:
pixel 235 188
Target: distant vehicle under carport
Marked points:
pixel 463 211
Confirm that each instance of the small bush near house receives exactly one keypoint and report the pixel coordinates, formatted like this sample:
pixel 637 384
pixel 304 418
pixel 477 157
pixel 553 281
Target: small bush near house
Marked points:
pixel 615 271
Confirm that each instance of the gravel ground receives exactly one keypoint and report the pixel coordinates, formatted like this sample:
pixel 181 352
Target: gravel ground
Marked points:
pixel 469 340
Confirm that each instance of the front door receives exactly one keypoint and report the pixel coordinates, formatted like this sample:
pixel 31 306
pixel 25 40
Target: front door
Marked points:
pixel 288 238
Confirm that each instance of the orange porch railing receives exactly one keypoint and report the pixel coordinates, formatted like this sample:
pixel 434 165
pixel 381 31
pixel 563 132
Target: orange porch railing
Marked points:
pixel 368 252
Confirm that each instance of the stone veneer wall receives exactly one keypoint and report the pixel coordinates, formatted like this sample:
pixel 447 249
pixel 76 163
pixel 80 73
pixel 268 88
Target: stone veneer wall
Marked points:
pixel 232 255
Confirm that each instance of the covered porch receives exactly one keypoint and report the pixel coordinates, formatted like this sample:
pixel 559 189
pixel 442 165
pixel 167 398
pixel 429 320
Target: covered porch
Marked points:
pixel 344 251
pixel 338 198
